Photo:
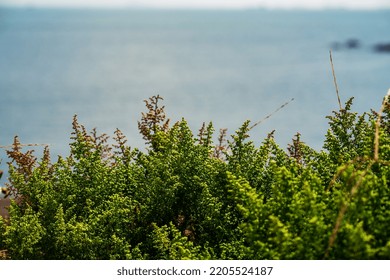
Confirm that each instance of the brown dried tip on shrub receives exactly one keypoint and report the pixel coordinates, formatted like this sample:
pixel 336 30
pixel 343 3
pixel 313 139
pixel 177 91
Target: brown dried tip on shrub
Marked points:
pixel 154 120
pixel 24 161
pixel 295 149
pixel 201 133
pixel 221 146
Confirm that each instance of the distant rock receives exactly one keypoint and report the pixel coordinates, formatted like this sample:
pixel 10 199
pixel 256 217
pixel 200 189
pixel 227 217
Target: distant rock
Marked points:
pixel 349 44
pixel 352 44
pixel 382 47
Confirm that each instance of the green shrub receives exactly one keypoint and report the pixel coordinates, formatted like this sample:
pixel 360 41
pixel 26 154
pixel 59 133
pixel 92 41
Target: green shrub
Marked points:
pixel 187 197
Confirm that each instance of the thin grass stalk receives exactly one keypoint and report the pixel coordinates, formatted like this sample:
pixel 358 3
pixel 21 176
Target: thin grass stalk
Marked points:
pixel 335 80
pixel 25 145
pixel 270 115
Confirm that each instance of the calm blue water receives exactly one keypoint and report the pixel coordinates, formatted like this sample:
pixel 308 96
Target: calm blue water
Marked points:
pixel 220 66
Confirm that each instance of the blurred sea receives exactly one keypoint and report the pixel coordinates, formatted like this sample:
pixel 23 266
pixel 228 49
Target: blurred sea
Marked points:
pixel 220 66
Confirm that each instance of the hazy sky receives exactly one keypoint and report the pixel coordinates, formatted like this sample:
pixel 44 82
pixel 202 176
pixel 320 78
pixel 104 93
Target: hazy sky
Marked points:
pixel 312 4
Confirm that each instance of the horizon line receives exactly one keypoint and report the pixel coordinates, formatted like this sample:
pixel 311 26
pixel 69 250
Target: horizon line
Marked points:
pixel 182 8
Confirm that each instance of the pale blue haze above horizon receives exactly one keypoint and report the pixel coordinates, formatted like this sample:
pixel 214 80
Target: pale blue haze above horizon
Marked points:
pixel 205 4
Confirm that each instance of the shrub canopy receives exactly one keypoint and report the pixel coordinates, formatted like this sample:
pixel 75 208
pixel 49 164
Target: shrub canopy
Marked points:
pixel 186 197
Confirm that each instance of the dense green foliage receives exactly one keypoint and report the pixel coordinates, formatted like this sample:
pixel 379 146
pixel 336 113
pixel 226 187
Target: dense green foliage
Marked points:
pixel 189 198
